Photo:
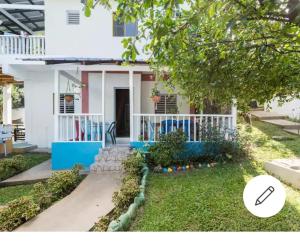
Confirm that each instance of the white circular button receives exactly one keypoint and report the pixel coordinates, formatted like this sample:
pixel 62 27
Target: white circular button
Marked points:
pixel 264 196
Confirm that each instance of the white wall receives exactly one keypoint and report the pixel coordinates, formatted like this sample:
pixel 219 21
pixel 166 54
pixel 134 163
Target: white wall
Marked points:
pixel 291 109
pixel 112 82
pixel 38 90
pixel 148 106
pixel 18 113
pixel 92 38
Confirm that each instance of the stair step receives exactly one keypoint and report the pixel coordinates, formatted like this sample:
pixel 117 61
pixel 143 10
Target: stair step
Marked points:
pixel 286 124
pixel 264 115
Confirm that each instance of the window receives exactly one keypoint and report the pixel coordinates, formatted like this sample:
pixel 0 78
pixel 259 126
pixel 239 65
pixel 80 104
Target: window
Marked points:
pixel 73 17
pixel 167 105
pixel 66 107
pixel 121 29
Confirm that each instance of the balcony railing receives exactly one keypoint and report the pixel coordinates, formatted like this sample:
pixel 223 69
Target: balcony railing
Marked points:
pixel 197 127
pixel 22 45
pixel 80 127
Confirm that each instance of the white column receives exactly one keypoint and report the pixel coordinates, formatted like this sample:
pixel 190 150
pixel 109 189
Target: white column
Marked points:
pixel 7 104
pixel 234 113
pixel 56 104
pixel 103 108
pixel 131 103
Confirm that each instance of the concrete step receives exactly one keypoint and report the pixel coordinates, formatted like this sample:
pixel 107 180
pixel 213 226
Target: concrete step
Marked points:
pixel 293 131
pixel 110 159
pixel 264 115
pixel 285 124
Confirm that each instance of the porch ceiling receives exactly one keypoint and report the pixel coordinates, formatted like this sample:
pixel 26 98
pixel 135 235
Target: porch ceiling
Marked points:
pixel 32 19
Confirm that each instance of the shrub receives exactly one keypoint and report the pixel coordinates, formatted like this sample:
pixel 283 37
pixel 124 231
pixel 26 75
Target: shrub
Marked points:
pixel 102 224
pixel 11 166
pixel 41 195
pixel 132 165
pixel 125 196
pixel 17 212
pixel 220 146
pixel 167 150
pixel 62 183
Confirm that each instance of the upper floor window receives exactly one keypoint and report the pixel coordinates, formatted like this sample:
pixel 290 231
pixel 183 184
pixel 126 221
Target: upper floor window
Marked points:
pixel 121 29
pixel 73 17
pixel 167 104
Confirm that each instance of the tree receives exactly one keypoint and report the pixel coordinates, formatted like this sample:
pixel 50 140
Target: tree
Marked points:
pixel 221 49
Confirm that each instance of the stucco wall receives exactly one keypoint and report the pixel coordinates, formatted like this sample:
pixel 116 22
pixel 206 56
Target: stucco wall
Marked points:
pixel 291 109
pixel 92 38
pixel 38 89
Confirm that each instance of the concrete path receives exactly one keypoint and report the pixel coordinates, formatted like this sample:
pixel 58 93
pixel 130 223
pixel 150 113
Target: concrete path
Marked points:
pixel 278 120
pixel 81 209
pixel 36 173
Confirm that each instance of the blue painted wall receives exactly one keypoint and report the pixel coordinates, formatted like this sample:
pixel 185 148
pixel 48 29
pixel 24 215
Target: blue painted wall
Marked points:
pixel 65 155
pixel 191 148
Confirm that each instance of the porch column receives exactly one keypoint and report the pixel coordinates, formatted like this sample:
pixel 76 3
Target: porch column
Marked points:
pixel 56 104
pixel 103 108
pixel 234 113
pixel 7 104
pixel 131 103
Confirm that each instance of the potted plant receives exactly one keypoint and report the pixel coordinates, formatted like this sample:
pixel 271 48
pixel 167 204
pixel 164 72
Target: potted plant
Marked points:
pixel 155 95
pixel 69 98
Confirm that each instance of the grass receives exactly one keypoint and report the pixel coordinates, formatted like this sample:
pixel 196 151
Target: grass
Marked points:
pixel 31 160
pixel 8 194
pixel 210 199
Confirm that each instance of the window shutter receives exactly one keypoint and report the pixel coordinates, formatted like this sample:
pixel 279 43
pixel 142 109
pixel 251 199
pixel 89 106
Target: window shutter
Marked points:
pixel 73 17
pixel 64 106
pixel 166 105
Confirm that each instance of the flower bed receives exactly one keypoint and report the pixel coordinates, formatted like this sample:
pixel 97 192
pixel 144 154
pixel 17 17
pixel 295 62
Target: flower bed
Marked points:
pixel 42 196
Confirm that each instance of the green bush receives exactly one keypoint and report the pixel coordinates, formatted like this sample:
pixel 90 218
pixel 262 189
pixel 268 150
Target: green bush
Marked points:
pixel 167 150
pixel 17 212
pixel 133 164
pixel 102 224
pixel 125 196
pixel 41 195
pixel 11 166
pixel 62 183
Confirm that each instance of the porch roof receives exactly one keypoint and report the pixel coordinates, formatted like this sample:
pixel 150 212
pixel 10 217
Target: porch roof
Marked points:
pixel 82 60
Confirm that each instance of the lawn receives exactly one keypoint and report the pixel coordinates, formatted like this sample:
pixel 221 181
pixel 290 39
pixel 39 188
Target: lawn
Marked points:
pixel 210 199
pixel 10 167
pixel 8 194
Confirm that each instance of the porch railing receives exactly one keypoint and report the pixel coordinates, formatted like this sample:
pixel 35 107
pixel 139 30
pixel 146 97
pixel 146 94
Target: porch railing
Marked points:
pixel 80 127
pixel 196 127
pixel 22 45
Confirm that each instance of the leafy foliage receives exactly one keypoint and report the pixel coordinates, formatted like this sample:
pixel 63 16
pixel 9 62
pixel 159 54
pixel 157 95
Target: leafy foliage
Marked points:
pixel 220 49
pixel 167 150
pixel 17 212
pixel 10 166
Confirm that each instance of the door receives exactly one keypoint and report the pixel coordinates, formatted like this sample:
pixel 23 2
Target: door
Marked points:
pixel 122 113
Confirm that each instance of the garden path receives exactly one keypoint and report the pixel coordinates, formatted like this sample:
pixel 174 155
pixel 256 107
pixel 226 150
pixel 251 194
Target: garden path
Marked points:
pixel 80 210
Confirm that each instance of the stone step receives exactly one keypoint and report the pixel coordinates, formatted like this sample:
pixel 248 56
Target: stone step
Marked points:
pixel 110 159
pixel 264 115
pixel 285 124
pixel 293 131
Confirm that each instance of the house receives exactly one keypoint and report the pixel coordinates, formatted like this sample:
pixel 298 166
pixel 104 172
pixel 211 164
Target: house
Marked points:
pixel 77 87
pixel 290 108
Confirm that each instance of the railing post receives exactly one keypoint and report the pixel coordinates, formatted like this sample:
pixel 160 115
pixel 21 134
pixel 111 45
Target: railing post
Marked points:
pixel 103 108
pixel 56 105
pixel 234 113
pixel 131 103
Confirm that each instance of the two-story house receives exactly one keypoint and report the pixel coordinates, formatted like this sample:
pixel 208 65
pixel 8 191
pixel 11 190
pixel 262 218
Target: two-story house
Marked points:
pixel 79 97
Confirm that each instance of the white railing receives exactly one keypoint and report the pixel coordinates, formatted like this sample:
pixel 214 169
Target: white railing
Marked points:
pixel 80 127
pixel 196 127
pixel 22 45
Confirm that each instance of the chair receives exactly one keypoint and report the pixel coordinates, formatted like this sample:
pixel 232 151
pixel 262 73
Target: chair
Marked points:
pixel 112 132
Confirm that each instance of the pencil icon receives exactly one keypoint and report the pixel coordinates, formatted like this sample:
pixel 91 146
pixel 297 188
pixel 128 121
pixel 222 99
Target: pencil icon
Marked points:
pixel 264 195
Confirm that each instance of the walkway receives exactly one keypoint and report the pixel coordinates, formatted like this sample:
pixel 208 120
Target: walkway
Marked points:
pixel 34 174
pixel 81 209
pixel 278 120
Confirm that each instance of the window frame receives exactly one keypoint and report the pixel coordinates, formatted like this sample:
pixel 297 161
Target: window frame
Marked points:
pixel 124 28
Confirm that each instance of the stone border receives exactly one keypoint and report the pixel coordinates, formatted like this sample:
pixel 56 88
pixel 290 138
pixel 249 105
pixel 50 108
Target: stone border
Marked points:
pixel 123 222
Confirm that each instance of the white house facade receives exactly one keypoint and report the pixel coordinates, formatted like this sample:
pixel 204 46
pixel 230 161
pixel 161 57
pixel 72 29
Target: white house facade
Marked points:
pixel 80 97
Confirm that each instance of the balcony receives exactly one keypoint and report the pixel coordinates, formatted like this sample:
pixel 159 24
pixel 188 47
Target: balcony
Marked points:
pixel 22 46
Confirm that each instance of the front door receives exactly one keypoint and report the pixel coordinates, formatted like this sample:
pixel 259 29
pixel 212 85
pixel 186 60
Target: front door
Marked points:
pixel 122 113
